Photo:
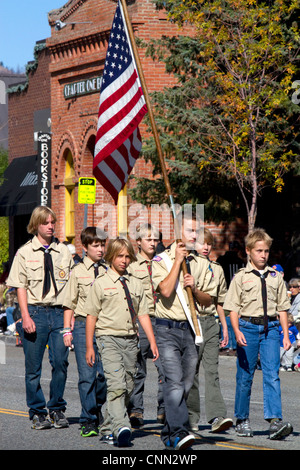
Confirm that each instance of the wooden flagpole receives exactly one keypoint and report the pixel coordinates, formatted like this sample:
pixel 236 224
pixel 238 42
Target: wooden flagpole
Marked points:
pixel 161 159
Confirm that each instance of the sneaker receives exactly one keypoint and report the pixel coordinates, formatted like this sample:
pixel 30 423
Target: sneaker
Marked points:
pixel 221 424
pixel 243 428
pixel 184 443
pixel 279 429
pixel 58 419
pixel 282 368
pixel 136 419
pixel 181 442
pixel 123 437
pixel 89 429
pixel 289 369
pixel 108 439
pixel 40 422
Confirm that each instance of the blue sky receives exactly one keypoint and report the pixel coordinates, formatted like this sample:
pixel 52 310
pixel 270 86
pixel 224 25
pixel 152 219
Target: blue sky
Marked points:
pixel 22 23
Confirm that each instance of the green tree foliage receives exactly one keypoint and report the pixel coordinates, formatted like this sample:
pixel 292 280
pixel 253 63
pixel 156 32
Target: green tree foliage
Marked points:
pixel 229 127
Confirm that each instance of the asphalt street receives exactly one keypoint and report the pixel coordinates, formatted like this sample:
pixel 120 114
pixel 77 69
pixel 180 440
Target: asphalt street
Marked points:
pixel 16 433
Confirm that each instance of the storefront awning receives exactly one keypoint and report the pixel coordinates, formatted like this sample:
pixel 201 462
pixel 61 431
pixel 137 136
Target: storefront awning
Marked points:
pixel 18 193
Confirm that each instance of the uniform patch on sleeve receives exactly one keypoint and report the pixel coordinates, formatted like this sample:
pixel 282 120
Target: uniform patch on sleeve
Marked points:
pixel 156 258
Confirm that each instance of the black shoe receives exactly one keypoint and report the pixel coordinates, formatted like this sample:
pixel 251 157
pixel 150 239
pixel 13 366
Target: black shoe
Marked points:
pixel 136 419
pixel 123 437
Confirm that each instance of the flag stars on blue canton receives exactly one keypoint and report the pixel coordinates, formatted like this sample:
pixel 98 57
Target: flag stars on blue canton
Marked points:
pixel 118 55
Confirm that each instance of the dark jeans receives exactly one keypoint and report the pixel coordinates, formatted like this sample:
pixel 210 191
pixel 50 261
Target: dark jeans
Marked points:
pixel 179 356
pixel 49 323
pixel 91 381
pixel 136 400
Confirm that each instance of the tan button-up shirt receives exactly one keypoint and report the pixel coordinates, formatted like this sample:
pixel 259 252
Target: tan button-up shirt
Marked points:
pixel 171 307
pixel 27 271
pixel 140 270
pixel 219 278
pixel 244 294
pixel 77 288
pixel 107 301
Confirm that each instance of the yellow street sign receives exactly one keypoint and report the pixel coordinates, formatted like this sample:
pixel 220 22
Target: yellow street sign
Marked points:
pixel 87 190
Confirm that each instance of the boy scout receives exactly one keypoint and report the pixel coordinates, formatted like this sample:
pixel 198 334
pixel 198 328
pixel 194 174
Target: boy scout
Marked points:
pixel 147 241
pixel 216 413
pixel 256 296
pixel 113 303
pixel 91 383
pixel 39 272
pixel 175 338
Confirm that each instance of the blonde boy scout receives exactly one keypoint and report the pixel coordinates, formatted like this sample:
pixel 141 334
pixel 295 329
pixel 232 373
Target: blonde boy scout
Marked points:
pixel 91 380
pixel 175 338
pixel 115 300
pixel 39 272
pixel 147 241
pixel 257 300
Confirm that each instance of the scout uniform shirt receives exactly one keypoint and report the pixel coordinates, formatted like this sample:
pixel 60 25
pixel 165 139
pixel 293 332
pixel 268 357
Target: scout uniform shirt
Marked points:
pixel 107 301
pixel 140 270
pixel 244 294
pixel 171 308
pixel 219 278
pixel 27 271
pixel 81 278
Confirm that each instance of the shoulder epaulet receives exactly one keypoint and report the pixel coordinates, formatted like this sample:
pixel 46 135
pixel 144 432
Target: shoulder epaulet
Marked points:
pixel 215 262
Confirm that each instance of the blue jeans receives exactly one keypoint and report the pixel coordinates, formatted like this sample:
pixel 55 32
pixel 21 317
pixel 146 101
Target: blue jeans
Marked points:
pixel 91 381
pixel 179 356
pixel 268 347
pixel 49 323
pixel 9 315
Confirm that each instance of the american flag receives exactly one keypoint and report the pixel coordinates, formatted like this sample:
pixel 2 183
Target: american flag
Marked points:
pixel 122 107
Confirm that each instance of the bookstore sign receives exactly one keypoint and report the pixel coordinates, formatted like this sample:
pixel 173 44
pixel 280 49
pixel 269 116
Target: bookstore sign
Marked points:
pixel 44 169
pixel 82 87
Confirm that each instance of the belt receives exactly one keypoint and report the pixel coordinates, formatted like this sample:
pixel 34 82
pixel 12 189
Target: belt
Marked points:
pixel 181 325
pixel 258 320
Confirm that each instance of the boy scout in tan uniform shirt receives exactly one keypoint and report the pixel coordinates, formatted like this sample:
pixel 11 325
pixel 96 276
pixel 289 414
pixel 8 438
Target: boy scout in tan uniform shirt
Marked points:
pixel 27 271
pixel 107 302
pixel 257 300
pixel 115 300
pixel 77 289
pixel 175 338
pixel 171 308
pixel 215 408
pixel 140 270
pixel 39 272
pixel 244 294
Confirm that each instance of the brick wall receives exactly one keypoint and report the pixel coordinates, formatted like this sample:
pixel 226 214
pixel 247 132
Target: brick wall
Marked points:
pixel 22 105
